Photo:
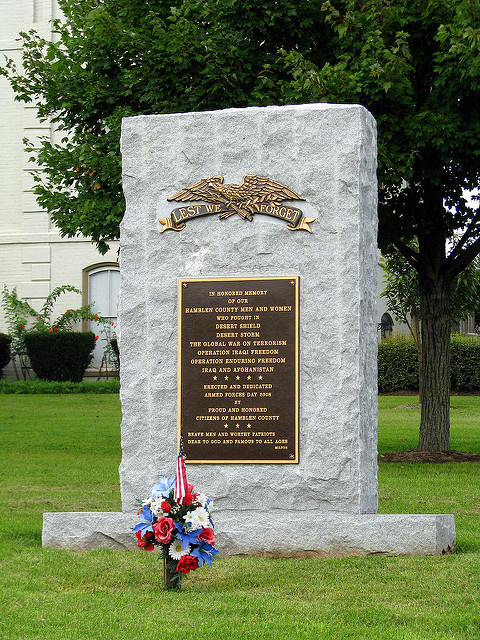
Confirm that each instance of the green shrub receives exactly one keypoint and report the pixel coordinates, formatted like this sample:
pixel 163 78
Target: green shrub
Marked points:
pixel 4 351
pixel 22 318
pixel 397 364
pixel 51 387
pixel 61 355
pixel 465 363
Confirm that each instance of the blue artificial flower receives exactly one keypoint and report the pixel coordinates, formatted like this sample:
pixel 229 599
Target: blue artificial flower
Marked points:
pixel 163 487
pixel 146 522
pixel 187 537
pixel 204 553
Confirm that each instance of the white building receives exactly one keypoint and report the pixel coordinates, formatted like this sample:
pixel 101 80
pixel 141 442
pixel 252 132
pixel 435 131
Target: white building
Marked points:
pixel 33 256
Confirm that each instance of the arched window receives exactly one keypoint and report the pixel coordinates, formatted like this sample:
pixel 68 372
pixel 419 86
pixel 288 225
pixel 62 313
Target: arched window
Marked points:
pixel 100 290
pixel 386 325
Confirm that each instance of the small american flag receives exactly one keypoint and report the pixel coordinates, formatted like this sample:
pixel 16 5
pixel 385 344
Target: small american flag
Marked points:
pixel 180 476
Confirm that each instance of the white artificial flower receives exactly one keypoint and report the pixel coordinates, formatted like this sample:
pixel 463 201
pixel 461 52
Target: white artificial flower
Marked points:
pixel 175 550
pixel 156 508
pixel 205 501
pixel 197 518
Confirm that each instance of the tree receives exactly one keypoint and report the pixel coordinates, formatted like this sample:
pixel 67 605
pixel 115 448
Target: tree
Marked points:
pixel 403 296
pixel 413 63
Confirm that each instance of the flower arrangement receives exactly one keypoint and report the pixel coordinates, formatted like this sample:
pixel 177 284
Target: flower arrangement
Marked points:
pixel 180 525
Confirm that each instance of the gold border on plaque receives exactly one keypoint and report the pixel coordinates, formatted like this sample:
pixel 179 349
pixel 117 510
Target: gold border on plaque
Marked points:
pixel 181 283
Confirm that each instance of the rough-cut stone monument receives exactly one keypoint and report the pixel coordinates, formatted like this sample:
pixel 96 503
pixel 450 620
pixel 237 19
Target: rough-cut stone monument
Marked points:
pixel 325 503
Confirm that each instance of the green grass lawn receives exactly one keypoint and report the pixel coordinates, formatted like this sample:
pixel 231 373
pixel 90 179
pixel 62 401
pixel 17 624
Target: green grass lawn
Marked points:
pixel 61 453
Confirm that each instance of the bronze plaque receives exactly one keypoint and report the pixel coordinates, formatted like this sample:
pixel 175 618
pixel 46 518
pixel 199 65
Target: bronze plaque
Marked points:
pixel 256 194
pixel 238 369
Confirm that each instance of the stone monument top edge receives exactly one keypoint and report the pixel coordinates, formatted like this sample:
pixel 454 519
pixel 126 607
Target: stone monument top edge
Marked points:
pixel 312 106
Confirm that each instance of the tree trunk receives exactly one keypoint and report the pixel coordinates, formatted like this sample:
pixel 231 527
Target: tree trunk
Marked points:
pixel 435 390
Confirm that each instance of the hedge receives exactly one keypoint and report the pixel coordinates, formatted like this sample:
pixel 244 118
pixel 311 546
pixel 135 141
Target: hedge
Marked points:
pixel 52 387
pixel 465 363
pixel 4 350
pixel 398 364
pixel 60 356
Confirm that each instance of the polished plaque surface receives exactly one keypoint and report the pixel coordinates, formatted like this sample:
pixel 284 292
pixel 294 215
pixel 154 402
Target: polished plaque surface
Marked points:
pixel 238 369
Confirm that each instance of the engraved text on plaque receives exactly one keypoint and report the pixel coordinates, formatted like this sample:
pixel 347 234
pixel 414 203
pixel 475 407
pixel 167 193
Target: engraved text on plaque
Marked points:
pixel 238 369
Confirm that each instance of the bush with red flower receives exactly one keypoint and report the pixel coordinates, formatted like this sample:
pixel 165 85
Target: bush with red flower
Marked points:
pixel 27 326
pixel 183 531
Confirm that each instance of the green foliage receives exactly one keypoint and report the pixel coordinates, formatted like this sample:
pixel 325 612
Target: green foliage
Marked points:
pixel 5 354
pixel 60 356
pixel 397 364
pixel 22 319
pixel 49 387
pixel 465 363
pixel 17 314
pixel 415 66
pixel 111 360
pixel 402 290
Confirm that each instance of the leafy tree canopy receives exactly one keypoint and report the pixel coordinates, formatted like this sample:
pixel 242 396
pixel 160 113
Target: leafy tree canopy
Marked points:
pixel 413 63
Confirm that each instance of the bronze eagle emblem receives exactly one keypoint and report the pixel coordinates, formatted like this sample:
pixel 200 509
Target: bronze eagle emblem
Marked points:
pixel 244 199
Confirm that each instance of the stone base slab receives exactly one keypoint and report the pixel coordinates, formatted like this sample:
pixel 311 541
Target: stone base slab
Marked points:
pixel 289 534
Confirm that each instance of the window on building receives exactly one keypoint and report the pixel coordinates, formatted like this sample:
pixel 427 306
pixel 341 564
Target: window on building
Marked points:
pixel 100 291
pixel 386 325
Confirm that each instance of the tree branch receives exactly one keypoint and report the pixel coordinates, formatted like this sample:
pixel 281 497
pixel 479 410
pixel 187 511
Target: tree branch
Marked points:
pixel 408 253
pixel 464 239
pixel 462 260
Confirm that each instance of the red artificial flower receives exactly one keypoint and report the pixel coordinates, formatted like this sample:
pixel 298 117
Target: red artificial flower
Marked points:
pixel 163 529
pixel 68 310
pixel 208 535
pixel 55 329
pixel 187 564
pixel 20 326
pixel 189 488
pixel 165 506
pixel 145 542
pixel 97 337
pixel 187 500
pixel 50 331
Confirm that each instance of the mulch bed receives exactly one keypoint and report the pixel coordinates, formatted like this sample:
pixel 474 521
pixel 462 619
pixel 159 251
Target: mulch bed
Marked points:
pixel 414 455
